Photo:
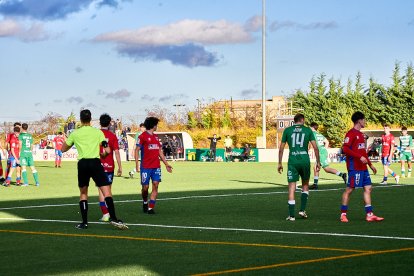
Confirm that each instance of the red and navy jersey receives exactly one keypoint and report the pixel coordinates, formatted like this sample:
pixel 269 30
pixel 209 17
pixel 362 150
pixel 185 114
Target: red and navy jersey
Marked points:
pixel 150 149
pixel 108 161
pixel 387 141
pixel 354 149
pixel 14 142
pixel 58 140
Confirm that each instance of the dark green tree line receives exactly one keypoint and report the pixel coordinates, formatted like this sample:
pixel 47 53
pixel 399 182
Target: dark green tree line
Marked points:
pixel 330 104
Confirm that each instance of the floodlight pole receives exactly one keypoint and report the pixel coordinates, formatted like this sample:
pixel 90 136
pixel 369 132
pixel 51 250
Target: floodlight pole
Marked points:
pixel 264 72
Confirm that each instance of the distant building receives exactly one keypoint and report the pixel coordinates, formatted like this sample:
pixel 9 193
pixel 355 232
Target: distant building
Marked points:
pixel 275 107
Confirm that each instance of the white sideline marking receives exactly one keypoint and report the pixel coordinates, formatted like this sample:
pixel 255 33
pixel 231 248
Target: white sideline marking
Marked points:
pixel 226 229
pixel 190 197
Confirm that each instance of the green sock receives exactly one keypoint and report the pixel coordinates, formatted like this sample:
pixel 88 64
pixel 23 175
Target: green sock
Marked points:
pixel 303 200
pixel 24 175
pixel 36 177
pixel 402 172
pixel 291 205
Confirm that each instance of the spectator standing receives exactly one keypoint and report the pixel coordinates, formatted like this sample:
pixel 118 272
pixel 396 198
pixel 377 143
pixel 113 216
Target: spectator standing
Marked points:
pixel 213 146
pixel 228 145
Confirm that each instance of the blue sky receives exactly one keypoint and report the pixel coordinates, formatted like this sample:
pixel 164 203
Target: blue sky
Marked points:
pixel 126 56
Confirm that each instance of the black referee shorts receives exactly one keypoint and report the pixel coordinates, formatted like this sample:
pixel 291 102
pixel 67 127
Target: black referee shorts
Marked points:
pixel 88 168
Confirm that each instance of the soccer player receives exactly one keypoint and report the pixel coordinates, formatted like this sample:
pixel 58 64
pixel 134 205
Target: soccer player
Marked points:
pixel 356 163
pixel 57 144
pixel 26 155
pixel 2 179
pixel 14 155
pixel 88 140
pixel 323 144
pixel 388 143
pixel 406 145
pixel 136 157
pixel 107 160
pixel 298 138
pixel 150 167
pixel 9 139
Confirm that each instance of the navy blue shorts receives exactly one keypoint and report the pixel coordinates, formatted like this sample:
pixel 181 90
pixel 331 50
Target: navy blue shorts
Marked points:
pixel 358 179
pixel 385 161
pixel 150 174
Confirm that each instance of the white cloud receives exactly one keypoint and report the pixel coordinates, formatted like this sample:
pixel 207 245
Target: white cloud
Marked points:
pixel 31 33
pixel 180 33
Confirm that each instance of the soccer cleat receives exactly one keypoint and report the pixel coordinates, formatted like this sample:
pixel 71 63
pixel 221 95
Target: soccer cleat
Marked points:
pixel 313 187
pixel 2 179
pixel 397 179
pixel 118 224
pixel 403 176
pixel 371 217
pixel 151 212
pixel 344 218
pixel 289 218
pixel 6 184
pixel 131 174
pixel 25 185
pixel 145 207
pixel 383 182
pixel 81 226
pixel 345 177
pixel 37 184
pixel 409 174
pixel 105 217
pixel 303 214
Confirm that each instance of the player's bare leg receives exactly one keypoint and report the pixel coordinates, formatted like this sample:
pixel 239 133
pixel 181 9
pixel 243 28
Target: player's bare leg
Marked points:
pixel 304 198
pixel 368 207
pixel 402 168
pixel 144 193
pixel 291 201
pixel 106 191
pixel 102 205
pixel 153 197
pixel 345 200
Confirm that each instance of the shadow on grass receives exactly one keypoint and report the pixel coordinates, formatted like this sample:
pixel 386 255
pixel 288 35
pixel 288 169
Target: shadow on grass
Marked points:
pixel 103 253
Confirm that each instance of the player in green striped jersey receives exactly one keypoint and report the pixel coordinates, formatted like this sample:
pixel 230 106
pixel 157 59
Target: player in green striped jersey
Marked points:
pixel 26 156
pixel 323 144
pixel 406 154
pixel 298 138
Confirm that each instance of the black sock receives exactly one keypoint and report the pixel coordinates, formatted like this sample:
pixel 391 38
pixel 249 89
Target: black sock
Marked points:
pixel 111 207
pixel 83 204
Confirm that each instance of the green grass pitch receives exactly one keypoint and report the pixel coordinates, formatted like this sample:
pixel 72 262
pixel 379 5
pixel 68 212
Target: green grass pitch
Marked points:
pixel 212 219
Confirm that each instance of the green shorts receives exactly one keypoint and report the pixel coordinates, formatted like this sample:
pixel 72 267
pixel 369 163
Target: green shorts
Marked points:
pixel 26 161
pixel 324 160
pixel 405 156
pixel 296 170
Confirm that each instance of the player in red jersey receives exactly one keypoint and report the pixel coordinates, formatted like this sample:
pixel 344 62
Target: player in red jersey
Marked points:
pixel 8 138
pixel 150 168
pixel 58 144
pixel 388 144
pixel 14 156
pixel 356 163
pixel 107 160
pixel 2 153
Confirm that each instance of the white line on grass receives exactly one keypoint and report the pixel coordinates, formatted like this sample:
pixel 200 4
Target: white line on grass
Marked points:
pixel 227 229
pixel 186 197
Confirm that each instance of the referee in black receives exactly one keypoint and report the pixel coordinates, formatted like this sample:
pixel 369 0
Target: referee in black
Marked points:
pixel 88 140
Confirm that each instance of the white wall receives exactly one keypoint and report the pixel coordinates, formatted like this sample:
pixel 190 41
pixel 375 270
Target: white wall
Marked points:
pixel 272 155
